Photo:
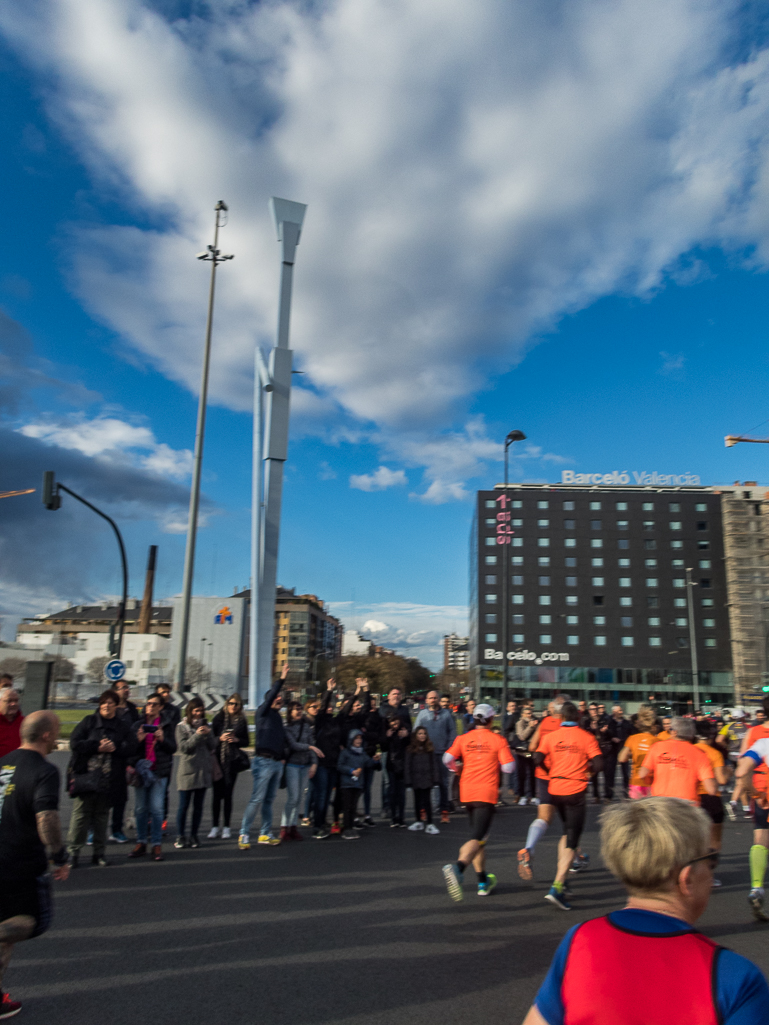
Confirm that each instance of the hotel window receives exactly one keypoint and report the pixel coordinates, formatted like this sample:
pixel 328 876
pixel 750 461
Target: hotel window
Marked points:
pixel 571 599
pixel 655 642
pixel 650 545
pixel 491 618
pixel 545 639
pixel 600 642
pixel 653 602
pixel 543 560
pixel 596 563
pixel 702 525
pixel 490 560
pixel 517 638
pixel 572 639
pixel 701 507
pixel 679 582
pixel 705 563
pixel 623 563
pixel 702 545
pixel 710 642
pixel 654 621
pixel 543 523
pixel 679 603
pixel 491 578
pixel 650 563
pixel 543 581
pixel 572 620
pixel 625 602
pixel 517 581
pixel 625 582
pixel 517 560
pixel 517 523
pixel 544 599
pixel 623 543
pixel 707 603
pixel 491 638
pixel 626 642
pixel 543 542
pixel 597 599
pixel 490 503
pixel 599 620
pixel 682 642
pixel 517 542
pixel 674 507
pixel 568 507
pixel 648 507
pixel 518 620
pixel 569 524
pixel 545 620
pixel 676 544
pixel 596 524
pixel 681 621
pixel 621 506
pixel 490 541
pixel 626 621
pixel 518 504
pixel 596 542
pixel 570 542
pixel 652 582
pixel 491 523
pixel 597 581
pixel 491 599
pixel 648 524
pixel 595 505
pixel 571 581
pixel 676 525
pixel 705 582
pixel 543 505
pixel 570 563
pixel 709 624
pixel 623 524
pixel 678 564
pixel 517 599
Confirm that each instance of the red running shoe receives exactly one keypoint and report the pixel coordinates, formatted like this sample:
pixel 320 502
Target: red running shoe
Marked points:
pixel 9 1007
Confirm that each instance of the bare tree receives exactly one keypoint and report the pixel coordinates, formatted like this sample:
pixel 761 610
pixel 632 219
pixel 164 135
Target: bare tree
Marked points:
pixel 196 676
pixel 15 666
pixel 95 668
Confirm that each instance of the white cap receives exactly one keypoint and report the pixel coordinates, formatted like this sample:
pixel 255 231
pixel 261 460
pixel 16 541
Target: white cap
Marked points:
pixel 483 712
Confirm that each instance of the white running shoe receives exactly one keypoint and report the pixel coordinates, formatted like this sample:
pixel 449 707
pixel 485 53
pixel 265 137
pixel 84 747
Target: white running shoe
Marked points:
pixel 431 829
pixel 226 833
pixel 214 833
pixel 415 827
pixel 535 800
pixel 523 802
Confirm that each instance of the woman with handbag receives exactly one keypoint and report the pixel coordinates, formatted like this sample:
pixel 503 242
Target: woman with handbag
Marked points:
pixel 525 728
pixel 152 757
pixel 96 776
pixel 230 729
pixel 194 773
pixel 301 761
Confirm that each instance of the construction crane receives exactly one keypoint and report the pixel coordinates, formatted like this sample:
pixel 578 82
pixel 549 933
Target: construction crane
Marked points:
pixel 12 494
pixel 732 439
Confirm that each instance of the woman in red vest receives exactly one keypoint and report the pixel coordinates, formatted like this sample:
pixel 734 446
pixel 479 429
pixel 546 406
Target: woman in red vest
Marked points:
pixel 658 848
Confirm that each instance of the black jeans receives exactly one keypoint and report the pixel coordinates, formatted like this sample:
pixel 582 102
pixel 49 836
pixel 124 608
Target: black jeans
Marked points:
pixel 525 767
pixel 222 793
pixel 422 801
pixel 350 796
pixel 187 797
pixel 397 797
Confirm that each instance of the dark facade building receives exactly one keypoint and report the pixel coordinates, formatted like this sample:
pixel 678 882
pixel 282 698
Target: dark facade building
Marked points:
pixel 597 593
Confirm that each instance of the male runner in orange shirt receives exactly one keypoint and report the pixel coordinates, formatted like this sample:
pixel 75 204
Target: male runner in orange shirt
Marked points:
pixel 546 809
pixel 482 754
pixel 675 766
pixel 571 756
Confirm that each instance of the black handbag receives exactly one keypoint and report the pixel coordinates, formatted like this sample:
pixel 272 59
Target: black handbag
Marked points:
pixel 241 761
pixel 95 780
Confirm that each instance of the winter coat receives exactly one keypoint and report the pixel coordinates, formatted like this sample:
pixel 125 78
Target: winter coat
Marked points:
pixel 299 736
pixel 164 749
pixel 386 712
pixel 367 720
pixel 524 731
pixel 328 732
pixel 350 759
pixel 194 771
pixel 396 754
pixel 440 726
pixel 270 735
pixel 84 744
pixel 227 753
pixel 421 769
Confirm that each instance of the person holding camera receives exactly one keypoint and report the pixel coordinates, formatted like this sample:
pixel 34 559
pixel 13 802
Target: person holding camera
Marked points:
pixel 525 728
pixel 230 728
pixel 152 750
pixel 194 775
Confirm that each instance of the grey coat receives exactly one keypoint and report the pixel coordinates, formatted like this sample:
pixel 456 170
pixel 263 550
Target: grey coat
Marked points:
pixel 193 771
pixel 440 725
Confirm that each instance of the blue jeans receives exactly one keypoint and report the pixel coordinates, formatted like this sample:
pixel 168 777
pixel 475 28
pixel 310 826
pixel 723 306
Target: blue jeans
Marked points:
pixel 149 806
pixel 296 780
pixel 266 773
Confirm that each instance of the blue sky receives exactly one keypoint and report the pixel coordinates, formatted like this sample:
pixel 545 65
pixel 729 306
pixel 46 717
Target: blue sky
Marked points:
pixel 555 221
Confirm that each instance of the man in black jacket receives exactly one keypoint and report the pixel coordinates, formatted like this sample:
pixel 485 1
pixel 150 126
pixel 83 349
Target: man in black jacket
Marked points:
pixel 267 764
pixel 328 737
pixel 620 729
pixel 393 706
pixel 127 711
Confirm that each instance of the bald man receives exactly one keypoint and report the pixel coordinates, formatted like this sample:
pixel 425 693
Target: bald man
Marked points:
pixel 30 839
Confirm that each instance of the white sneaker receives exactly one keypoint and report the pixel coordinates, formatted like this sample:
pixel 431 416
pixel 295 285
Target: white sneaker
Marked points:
pixel 523 802
pixel 535 800
pixel 415 827
pixel 214 833
pixel 431 829
pixel 226 834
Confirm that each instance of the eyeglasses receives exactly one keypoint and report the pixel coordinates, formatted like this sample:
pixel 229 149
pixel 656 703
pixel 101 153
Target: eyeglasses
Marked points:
pixel 712 858
pixel 235 703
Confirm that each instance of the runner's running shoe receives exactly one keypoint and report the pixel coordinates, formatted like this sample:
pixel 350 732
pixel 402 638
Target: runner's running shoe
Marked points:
pixel 9 1007
pixel 484 889
pixel 581 863
pixel 453 882
pixel 756 901
pixel 557 896
pixel 524 865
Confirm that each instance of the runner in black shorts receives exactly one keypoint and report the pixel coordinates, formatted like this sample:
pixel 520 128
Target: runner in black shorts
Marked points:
pixel 480 814
pixel 30 835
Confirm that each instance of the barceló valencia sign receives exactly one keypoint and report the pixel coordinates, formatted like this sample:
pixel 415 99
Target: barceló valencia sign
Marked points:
pixel 639 478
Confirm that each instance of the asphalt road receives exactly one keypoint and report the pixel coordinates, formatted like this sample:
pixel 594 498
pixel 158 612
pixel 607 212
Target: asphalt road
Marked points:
pixel 321 931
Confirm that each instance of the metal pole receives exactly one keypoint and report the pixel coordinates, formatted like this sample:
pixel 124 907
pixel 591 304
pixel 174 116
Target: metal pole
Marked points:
pixel 693 640
pixel 200 430
pixel 505 611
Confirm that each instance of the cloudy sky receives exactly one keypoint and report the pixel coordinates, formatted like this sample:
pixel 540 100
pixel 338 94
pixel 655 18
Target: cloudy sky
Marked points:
pixel 550 216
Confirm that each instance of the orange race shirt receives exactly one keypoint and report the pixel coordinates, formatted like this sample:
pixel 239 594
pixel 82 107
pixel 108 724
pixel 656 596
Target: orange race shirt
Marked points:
pixel 548 725
pixel 715 758
pixel 567 752
pixel 663 735
pixel 482 752
pixel 677 766
pixel 638 744
pixel 760 773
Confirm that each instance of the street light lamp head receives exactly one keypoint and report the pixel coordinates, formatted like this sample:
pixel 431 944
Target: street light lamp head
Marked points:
pixel 285 211
pixel 515 436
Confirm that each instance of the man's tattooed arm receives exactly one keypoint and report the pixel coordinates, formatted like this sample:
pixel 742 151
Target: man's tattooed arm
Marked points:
pixel 49 831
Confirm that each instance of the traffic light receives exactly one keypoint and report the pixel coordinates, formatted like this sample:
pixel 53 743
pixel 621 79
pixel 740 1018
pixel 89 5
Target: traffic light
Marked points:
pixel 765 690
pixel 51 497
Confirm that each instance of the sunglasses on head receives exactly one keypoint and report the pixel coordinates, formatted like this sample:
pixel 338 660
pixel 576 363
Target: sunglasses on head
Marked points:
pixel 712 858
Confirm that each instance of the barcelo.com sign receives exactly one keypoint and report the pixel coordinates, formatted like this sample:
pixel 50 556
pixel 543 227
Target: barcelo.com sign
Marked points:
pixel 490 654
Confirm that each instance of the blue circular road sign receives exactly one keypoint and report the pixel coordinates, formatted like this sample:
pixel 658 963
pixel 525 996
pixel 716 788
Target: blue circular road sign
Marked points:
pixel 114 670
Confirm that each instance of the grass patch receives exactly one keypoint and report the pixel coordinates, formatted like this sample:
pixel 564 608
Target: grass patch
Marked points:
pixel 70 717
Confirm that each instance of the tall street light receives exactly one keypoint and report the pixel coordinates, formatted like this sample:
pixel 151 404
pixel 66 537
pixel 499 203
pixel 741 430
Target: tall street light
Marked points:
pixel 214 257
pixel 272 391
pixel 690 585
pixel 512 437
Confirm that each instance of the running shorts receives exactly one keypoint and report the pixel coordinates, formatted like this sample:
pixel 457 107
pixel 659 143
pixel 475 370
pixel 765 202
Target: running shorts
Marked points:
pixel 543 794
pixel 760 816
pixel 480 814
pixel 31 896
pixel 636 792
pixel 572 809
pixel 713 806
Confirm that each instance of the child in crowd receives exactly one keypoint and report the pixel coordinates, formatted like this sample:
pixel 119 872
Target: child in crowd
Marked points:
pixel 422 773
pixel 352 761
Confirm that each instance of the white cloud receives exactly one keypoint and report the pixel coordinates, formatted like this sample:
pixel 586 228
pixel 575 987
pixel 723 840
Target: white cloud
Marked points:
pixel 413 630
pixel 112 439
pixel 473 173
pixel 381 479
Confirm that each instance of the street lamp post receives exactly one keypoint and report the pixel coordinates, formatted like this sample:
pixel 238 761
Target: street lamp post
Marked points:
pixel 214 257
pixel 690 585
pixel 512 437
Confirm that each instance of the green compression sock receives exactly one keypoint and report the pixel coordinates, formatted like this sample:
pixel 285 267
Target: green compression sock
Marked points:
pixel 758 858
